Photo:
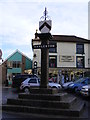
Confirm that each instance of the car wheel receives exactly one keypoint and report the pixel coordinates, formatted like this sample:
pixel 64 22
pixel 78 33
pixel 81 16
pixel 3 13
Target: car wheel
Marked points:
pixel 26 90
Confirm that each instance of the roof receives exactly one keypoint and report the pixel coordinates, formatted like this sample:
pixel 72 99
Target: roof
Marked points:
pixel 14 53
pixel 67 38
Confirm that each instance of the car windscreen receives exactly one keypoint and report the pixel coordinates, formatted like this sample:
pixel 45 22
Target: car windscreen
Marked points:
pixel 80 80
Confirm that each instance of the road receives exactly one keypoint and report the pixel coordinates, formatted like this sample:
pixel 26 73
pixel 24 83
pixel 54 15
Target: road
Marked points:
pixel 12 93
pixel 8 92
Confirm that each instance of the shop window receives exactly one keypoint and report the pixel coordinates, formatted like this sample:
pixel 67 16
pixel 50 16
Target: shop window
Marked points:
pixel 80 48
pixel 52 61
pixel 53 50
pixel 80 61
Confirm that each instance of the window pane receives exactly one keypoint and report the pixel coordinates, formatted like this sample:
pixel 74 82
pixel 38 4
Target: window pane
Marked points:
pixel 80 48
pixel 53 61
pixel 53 50
pixel 32 81
pixel 9 63
pixel 16 64
pixel 80 62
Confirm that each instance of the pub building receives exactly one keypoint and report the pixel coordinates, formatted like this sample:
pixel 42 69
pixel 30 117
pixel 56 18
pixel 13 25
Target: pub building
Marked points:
pixel 70 57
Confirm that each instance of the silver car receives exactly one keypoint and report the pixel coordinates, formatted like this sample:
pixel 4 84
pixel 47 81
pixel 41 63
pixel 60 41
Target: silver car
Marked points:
pixel 85 91
pixel 35 82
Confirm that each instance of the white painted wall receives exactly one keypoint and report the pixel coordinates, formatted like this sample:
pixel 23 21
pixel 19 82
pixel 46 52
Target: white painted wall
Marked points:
pixel 38 54
pixel 86 55
pixel 66 49
pixel 38 57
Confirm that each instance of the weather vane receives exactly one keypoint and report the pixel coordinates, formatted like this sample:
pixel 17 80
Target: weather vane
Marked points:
pixel 45 15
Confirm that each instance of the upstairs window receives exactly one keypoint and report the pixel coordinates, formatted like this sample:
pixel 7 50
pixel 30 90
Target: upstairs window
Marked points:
pixel 52 61
pixel 53 50
pixel 80 48
pixel 9 64
pixel 16 64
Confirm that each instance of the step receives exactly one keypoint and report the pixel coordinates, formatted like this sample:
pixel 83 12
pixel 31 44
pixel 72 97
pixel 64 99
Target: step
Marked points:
pixel 79 106
pixel 44 91
pixel 31 116
pixel 43 103
pixel 73 112
pixel 53 97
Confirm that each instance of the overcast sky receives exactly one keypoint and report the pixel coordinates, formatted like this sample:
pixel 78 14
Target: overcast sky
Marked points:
pixel 19 20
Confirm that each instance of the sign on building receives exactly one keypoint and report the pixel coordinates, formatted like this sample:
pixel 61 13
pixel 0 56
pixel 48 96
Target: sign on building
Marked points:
pixel 66 58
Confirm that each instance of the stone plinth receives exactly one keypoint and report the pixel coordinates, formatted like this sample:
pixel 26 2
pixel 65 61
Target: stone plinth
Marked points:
pixel 43 91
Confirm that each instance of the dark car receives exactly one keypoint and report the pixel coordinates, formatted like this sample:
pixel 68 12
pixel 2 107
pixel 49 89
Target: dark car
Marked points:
pixel 18 79
pixel 77 85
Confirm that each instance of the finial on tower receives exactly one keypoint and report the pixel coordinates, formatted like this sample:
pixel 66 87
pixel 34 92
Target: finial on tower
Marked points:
pixel 45 25
pixel 45 13
pixel 45 16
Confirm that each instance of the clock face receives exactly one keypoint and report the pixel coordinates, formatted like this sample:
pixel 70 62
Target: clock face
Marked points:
pixel 0 53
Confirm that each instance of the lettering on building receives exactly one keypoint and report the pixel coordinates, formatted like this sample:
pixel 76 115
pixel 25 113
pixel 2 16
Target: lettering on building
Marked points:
pixel 66 58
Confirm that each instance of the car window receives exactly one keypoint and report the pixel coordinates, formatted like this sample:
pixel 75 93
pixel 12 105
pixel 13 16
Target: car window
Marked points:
pixel 39 80
pixel 32 81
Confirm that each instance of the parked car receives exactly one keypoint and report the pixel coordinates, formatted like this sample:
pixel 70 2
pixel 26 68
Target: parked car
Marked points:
pixel 35 82
pixel 85 90
pixel 65 85
pixel 18 79
pixel 77 85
